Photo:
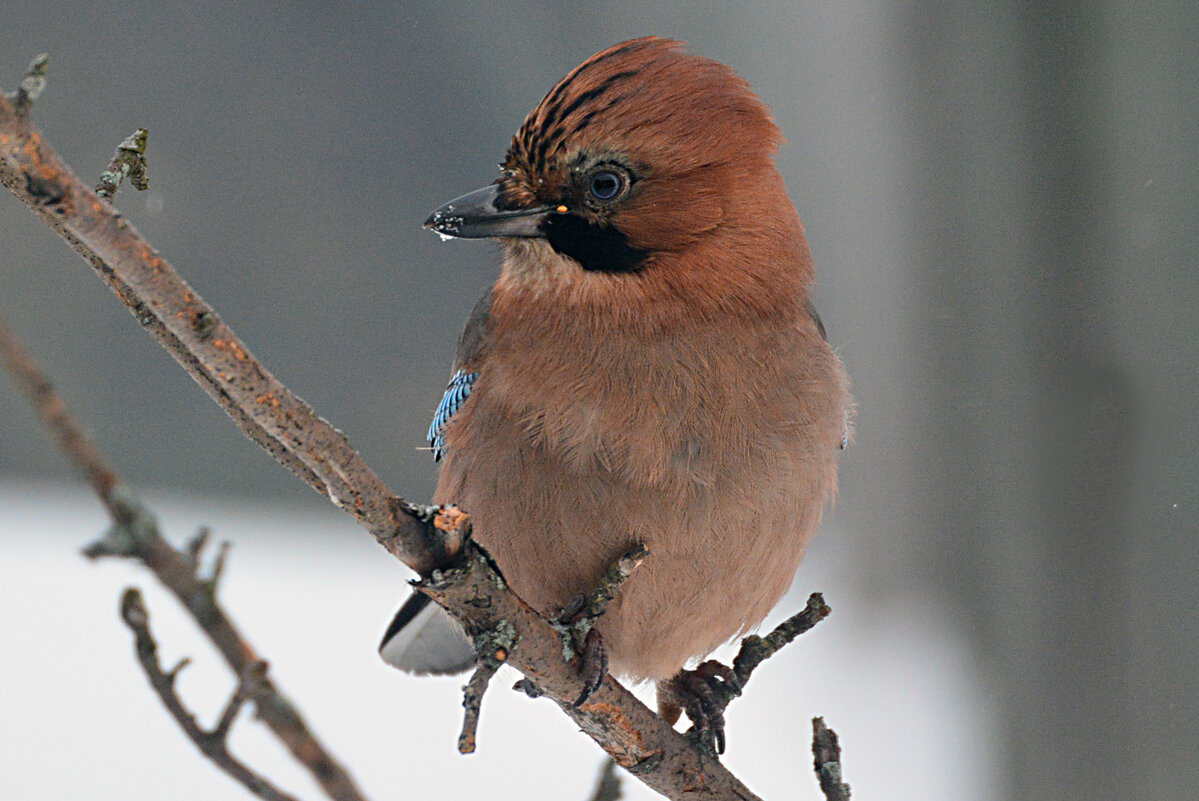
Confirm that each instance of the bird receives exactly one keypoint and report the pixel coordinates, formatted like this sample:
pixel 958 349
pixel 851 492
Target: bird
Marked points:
pixel 648 368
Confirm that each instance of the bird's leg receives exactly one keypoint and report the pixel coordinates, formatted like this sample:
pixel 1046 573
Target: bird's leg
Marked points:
pixel 706 691
pixel 593 665
pixel 703 693
pixel 576 622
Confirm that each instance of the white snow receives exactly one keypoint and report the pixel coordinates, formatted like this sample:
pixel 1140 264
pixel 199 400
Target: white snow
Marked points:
pixel 313 593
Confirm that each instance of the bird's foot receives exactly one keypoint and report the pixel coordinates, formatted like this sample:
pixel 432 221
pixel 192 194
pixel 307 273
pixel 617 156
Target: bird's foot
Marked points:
pixel 593 666
pixel 703 693
pixel 576 624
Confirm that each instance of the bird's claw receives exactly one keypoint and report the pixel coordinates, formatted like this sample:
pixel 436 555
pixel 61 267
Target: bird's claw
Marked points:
pixel 694 691
pixel 571 614
pixel 578 628
pixel 593 666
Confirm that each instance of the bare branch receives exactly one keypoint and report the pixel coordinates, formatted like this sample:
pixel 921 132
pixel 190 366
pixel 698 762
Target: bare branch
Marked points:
pixel 129 161
pixel 585 609
pixel 134 534
pixel 826 752
pixel 211 743
pixel 755 650
pixel 195 546
pixel 33 83
pixel 269 414
pixel 607 787
pixel 636 738
pixel 707 690
pixel 249 684
pixel 472 700
pixel 50 407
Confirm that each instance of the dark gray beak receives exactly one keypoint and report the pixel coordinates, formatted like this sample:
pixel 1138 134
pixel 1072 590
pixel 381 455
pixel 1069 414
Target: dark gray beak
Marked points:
pixel 475 216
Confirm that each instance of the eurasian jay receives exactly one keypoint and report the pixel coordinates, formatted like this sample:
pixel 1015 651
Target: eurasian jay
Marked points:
pixel 648 368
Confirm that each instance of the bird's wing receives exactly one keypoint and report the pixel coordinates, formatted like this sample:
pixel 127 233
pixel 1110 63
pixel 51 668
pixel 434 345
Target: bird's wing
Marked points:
pixel 471 346
pixel 422 637
pixel 456 392
pixel 816 319
pixel 848 409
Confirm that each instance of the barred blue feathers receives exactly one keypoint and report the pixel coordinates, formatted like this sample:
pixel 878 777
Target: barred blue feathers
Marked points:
pixel 456 393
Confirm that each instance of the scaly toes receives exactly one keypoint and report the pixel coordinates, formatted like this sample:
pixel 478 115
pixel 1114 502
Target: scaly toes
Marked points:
pixel 694 691
pixel 593 665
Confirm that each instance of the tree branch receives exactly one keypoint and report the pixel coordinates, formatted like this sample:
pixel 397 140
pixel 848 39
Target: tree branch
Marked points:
pixel 755 650
pixel 211 743
pixel 826 753
pixel 195 336
pixel 129 161
pixel 134 534
pixel 32 84
pixel 269 414
pixel 607 787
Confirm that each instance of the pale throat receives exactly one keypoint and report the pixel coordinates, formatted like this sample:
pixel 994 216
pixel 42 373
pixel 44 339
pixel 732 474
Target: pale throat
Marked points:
pixel 532 265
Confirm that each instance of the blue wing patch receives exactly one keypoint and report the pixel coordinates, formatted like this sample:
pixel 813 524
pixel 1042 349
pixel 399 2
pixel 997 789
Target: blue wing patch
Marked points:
pixel 455 393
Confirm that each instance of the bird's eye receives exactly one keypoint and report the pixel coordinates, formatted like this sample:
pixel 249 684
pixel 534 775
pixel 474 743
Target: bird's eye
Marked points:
pixel 606 185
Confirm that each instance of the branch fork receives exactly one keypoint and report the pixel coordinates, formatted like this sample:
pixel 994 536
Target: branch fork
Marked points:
pixel 213 743
pixel 460 576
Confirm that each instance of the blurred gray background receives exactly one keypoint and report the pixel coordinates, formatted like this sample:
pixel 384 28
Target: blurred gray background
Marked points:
pixel 1001 199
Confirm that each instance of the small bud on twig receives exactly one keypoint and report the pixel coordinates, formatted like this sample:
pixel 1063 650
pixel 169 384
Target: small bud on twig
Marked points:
pixel 33 83
pixel 129 161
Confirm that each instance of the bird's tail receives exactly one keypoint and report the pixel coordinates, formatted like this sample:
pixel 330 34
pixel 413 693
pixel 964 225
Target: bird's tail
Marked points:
pixel 423 639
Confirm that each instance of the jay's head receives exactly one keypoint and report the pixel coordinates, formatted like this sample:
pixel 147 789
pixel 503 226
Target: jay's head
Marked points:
pixel 646 162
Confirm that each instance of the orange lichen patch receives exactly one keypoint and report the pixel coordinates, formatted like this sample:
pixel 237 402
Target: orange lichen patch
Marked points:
pixel 233 346
pixel 696 782
pixel 450 518
pixel 267 399
pixel 621 735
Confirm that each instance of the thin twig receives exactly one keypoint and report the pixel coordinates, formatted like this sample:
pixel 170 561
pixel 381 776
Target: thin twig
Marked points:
pixel 271 415
pixel 129 161
pixel 33 83
pixel 54 413
pixel 755 650
pixel 249 685
pixel 586 609
pixel 211 743
pixel 576 623
pixel 826 753
pixel 492 648
pixel 134 534
pixel 195 546
pixel 472 701
pixel 607 787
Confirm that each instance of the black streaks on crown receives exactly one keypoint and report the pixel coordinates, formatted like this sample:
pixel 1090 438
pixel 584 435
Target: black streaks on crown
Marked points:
pixel 597 248
pixel 555 95
pixel 548 126
pixel 583 95
pixel 552 131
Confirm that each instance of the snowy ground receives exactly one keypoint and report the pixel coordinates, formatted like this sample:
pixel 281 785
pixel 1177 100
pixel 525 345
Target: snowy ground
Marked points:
pixel 313 593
